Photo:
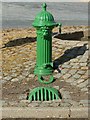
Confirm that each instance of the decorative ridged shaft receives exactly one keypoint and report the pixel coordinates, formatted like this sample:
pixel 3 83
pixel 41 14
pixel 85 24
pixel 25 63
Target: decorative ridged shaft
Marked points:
pixel 44 50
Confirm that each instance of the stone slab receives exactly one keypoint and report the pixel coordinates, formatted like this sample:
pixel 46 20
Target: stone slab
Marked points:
pixel 19 112
pixel 63 112
pixel 79 112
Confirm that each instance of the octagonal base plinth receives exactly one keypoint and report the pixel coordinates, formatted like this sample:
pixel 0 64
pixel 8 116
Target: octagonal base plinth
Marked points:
pixel 43 94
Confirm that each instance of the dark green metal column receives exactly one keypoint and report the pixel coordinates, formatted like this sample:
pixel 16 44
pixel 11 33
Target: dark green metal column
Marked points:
pixel 44 52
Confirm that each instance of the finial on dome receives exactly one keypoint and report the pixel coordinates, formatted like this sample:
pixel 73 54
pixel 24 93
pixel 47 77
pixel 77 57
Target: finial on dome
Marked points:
pixel 44 6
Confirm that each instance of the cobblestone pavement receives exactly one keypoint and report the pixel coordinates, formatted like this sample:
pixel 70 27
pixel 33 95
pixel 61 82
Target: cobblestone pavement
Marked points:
pixel 71 63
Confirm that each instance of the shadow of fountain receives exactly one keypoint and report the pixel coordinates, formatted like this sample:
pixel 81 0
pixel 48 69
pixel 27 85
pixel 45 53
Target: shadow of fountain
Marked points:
pixel 70 54
pixel 20 41
pixel 69 36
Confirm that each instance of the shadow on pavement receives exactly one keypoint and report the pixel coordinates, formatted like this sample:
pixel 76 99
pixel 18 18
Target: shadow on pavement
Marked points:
pixel 70 54
pixel 69 36
pixel 21 41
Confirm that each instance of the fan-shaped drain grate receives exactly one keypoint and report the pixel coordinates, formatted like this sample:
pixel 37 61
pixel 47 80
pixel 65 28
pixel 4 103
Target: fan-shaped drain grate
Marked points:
pixel 43 94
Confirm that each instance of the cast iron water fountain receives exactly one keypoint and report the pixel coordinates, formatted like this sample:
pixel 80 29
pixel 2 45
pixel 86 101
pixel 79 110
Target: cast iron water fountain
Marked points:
pixel 44 23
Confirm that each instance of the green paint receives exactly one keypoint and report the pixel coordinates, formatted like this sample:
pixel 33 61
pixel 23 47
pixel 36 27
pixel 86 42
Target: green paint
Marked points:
pixel 44 93
pixel 44 23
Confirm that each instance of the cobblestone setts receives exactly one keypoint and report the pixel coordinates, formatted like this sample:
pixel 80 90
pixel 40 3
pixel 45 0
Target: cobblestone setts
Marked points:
pixel 18 62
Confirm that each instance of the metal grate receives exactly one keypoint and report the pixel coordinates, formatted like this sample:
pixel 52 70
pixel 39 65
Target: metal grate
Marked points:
pixel 43 94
